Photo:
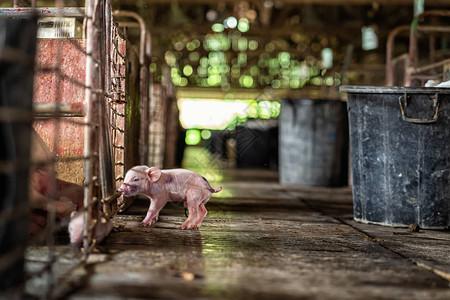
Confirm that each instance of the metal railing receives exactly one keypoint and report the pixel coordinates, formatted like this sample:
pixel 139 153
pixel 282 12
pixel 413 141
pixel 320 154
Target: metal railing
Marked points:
pixel 407 67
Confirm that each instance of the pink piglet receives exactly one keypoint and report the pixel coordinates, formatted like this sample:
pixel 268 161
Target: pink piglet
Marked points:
pixel 161 186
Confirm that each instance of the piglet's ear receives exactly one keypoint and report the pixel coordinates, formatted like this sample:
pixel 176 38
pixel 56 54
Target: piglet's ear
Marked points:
pixel 154 174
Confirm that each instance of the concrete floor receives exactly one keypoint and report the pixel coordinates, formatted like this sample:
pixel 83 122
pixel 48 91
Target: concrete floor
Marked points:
pixel 264 241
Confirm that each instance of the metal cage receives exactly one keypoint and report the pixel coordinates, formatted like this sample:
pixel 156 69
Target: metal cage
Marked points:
pixel 82 102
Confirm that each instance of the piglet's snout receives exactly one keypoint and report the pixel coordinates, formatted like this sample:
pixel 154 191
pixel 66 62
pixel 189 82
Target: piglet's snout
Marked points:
pixel 126 189
pixel 121 189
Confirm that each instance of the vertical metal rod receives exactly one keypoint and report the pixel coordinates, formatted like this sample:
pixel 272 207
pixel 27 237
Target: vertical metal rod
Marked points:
pixel 108 42
pixel 89 118
pixel 413 57
pixel 51 220
pixel 432 47
pixel 105 159
pixel 390 52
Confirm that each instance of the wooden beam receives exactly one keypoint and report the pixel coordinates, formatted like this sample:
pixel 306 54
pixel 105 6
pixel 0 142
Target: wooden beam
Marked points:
pixel 284 31
pixel 295 2
pixel 267 94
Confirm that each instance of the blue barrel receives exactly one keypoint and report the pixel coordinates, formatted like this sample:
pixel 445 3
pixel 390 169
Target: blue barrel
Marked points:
pixel 313 142
pixel 400 155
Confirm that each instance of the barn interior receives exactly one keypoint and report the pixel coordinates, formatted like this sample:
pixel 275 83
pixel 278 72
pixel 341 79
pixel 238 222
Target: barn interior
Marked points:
pixel 318 131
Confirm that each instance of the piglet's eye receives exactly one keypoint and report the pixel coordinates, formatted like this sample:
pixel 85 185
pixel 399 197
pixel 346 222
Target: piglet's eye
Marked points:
pixel 136 179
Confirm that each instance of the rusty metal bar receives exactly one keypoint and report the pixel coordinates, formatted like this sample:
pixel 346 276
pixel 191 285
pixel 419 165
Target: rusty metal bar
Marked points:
pixel 128 24
pixel 431 28
pixel 108 42
pixel 58 109
pixel 431 66
pixel 107 184
pixel 390 51
pixel 90 103
pixel 42 12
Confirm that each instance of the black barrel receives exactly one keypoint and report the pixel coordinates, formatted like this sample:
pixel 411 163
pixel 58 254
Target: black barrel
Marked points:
pixel 17 49
pixel 313 142
pixel 400 154
pixel 256 145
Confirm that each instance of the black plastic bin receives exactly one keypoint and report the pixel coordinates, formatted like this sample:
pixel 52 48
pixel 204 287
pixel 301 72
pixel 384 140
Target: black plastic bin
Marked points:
pixel 400 155
pixel 257 145
pixel 313 142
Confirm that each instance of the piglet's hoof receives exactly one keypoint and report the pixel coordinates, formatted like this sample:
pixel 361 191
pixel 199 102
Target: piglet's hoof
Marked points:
pixel 187 227
pixel 142 224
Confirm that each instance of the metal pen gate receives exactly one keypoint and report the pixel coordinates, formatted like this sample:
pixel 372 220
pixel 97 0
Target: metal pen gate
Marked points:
pixel 411 69
pixel 80 112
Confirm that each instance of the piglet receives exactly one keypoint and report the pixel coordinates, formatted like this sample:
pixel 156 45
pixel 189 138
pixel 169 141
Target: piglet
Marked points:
pixel 76 227
pixel 46 191
pixel 162 186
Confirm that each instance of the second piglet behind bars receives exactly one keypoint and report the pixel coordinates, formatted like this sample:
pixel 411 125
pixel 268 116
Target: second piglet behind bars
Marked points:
pixel 162 186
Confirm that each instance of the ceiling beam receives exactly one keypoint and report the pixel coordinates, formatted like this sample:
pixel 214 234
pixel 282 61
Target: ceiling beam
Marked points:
pixel 255 32
pixel 296 2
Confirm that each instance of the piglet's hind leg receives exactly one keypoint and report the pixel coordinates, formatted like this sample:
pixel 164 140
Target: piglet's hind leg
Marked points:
pixel 202 212
pixel 193 198
pixel 197 210
pixel 188 224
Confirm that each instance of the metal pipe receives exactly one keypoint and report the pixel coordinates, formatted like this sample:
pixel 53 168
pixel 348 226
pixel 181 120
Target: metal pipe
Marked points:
pixel 389 53
pixel 437 13
pixel 42 12
pixel 129 24
pixel 58 109
pixel 430 28
pixel 108 42
pixel 91 110
pixel 143 36
pixel 107 183
pixel 432 66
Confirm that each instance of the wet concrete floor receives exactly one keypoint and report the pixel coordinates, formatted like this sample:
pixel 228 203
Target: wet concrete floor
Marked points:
pixel 261 240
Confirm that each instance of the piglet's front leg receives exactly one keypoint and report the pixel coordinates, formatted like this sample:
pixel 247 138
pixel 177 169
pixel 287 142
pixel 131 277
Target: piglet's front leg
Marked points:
pixel 153 212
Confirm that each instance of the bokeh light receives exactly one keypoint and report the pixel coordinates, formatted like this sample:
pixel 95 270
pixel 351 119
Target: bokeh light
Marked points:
pixel 230 59
pixel 188 70
pixel 252 45
pixel 193 137
pixel 230 22
pixel 217 27
pixel 206 134
pixel 243 25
